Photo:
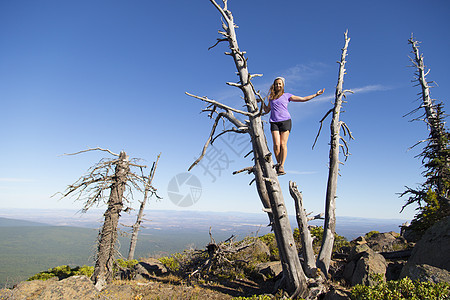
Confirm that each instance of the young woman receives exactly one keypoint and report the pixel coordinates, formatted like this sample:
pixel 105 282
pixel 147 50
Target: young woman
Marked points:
pixel 280 119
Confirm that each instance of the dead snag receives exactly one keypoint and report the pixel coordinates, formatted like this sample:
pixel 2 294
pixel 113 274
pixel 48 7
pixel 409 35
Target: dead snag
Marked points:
pixel 140 216
pixel 269 190
pixel 337 142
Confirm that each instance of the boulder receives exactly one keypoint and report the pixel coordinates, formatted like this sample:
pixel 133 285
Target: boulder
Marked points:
pixel 368 264
pixel 362 263
pixel 433 248
pixel 75 287
pixel 257 250
pixel 26 289
pixel 150 266
pixel 426 273
pixel 387 242
pixel 268 270
pixel 357 251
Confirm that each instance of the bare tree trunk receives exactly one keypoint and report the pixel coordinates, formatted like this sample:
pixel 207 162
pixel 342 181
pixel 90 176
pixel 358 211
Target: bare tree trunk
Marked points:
pixel 295 280
pixel 306 239
pixel 324 258
pixel 430 110
pixel 137 225
pixel 103 271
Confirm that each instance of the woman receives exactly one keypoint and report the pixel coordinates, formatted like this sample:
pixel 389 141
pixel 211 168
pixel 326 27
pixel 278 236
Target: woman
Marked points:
pixel 280 119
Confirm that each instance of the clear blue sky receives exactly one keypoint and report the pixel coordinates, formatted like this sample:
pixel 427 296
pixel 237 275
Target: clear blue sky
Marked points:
pixel 79 74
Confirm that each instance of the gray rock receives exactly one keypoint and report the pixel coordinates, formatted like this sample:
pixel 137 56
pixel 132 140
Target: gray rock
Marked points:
pixel 150 266
pixel 348 270
pixel 357 251
pixel 25 289
pixel 369 263
pixel 256 250
pixel 267 270
pixel 75 287
pixel 387 242
pixel 433 248
pixel 426 273
pixel 362 262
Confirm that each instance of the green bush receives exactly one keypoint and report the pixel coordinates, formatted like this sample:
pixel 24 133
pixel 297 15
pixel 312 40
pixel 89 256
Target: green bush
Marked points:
pixel 62 272
pixel 171 262
pixel 370 233
pixel 404 289
pixel 269 240
pixel 126 264
pixel 317 235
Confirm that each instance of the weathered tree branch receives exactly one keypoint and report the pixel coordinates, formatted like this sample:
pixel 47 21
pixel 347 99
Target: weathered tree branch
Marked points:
pixel 93 149
pixel 223 106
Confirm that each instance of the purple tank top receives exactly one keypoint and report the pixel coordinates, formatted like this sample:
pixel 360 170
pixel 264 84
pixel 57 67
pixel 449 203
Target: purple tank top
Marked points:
pixel 278 108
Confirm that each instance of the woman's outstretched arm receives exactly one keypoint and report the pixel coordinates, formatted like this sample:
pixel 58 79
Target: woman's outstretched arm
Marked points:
pixel 306 98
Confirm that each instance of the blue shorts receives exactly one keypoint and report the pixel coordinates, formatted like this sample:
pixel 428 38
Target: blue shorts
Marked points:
pixel 281 126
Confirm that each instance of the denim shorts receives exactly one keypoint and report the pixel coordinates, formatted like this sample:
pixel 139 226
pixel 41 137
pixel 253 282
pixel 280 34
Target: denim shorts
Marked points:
pixel 281 126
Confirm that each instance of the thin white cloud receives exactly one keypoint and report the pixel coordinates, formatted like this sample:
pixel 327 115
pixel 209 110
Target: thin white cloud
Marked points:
pixel 15 180
pixel 360 90
pixel 371 88
pixel 302 72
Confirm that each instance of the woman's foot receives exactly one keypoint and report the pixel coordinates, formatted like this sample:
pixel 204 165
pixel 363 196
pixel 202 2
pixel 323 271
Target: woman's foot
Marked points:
pixel 280 170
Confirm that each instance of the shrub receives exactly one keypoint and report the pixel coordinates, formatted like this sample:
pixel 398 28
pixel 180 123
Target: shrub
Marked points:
pixel 317 235
pixel 171 262
pixel 63 272
pixel 126 264
pixel 269 240
pixel 370 233
pixel 402 289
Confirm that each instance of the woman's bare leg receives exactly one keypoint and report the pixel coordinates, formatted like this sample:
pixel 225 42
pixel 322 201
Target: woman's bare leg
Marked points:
pixel 284 136
pixel 276 145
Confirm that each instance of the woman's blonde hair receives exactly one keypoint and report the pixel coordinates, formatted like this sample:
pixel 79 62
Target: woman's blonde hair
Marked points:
pixel 272 93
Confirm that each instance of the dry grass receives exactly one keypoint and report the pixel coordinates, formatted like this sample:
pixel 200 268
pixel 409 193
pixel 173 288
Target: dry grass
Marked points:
pixel 173 287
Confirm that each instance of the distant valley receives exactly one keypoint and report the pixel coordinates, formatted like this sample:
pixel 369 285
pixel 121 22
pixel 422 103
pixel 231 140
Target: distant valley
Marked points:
pixel 35 240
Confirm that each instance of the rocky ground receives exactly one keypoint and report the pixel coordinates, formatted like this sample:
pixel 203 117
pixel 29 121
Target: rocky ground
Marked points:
pixel 157 287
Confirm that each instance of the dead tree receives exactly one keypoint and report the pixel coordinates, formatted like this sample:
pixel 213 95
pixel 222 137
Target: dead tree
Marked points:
pixel 137 225
pixel 433 195
pixel 113 177
pixel 336 144
pixel 269 190
pixel 324 259
pixel 439 137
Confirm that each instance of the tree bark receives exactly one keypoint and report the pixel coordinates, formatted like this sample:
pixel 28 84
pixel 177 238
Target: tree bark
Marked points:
pixel 137 225
pixel 324 258
pixel 103 271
